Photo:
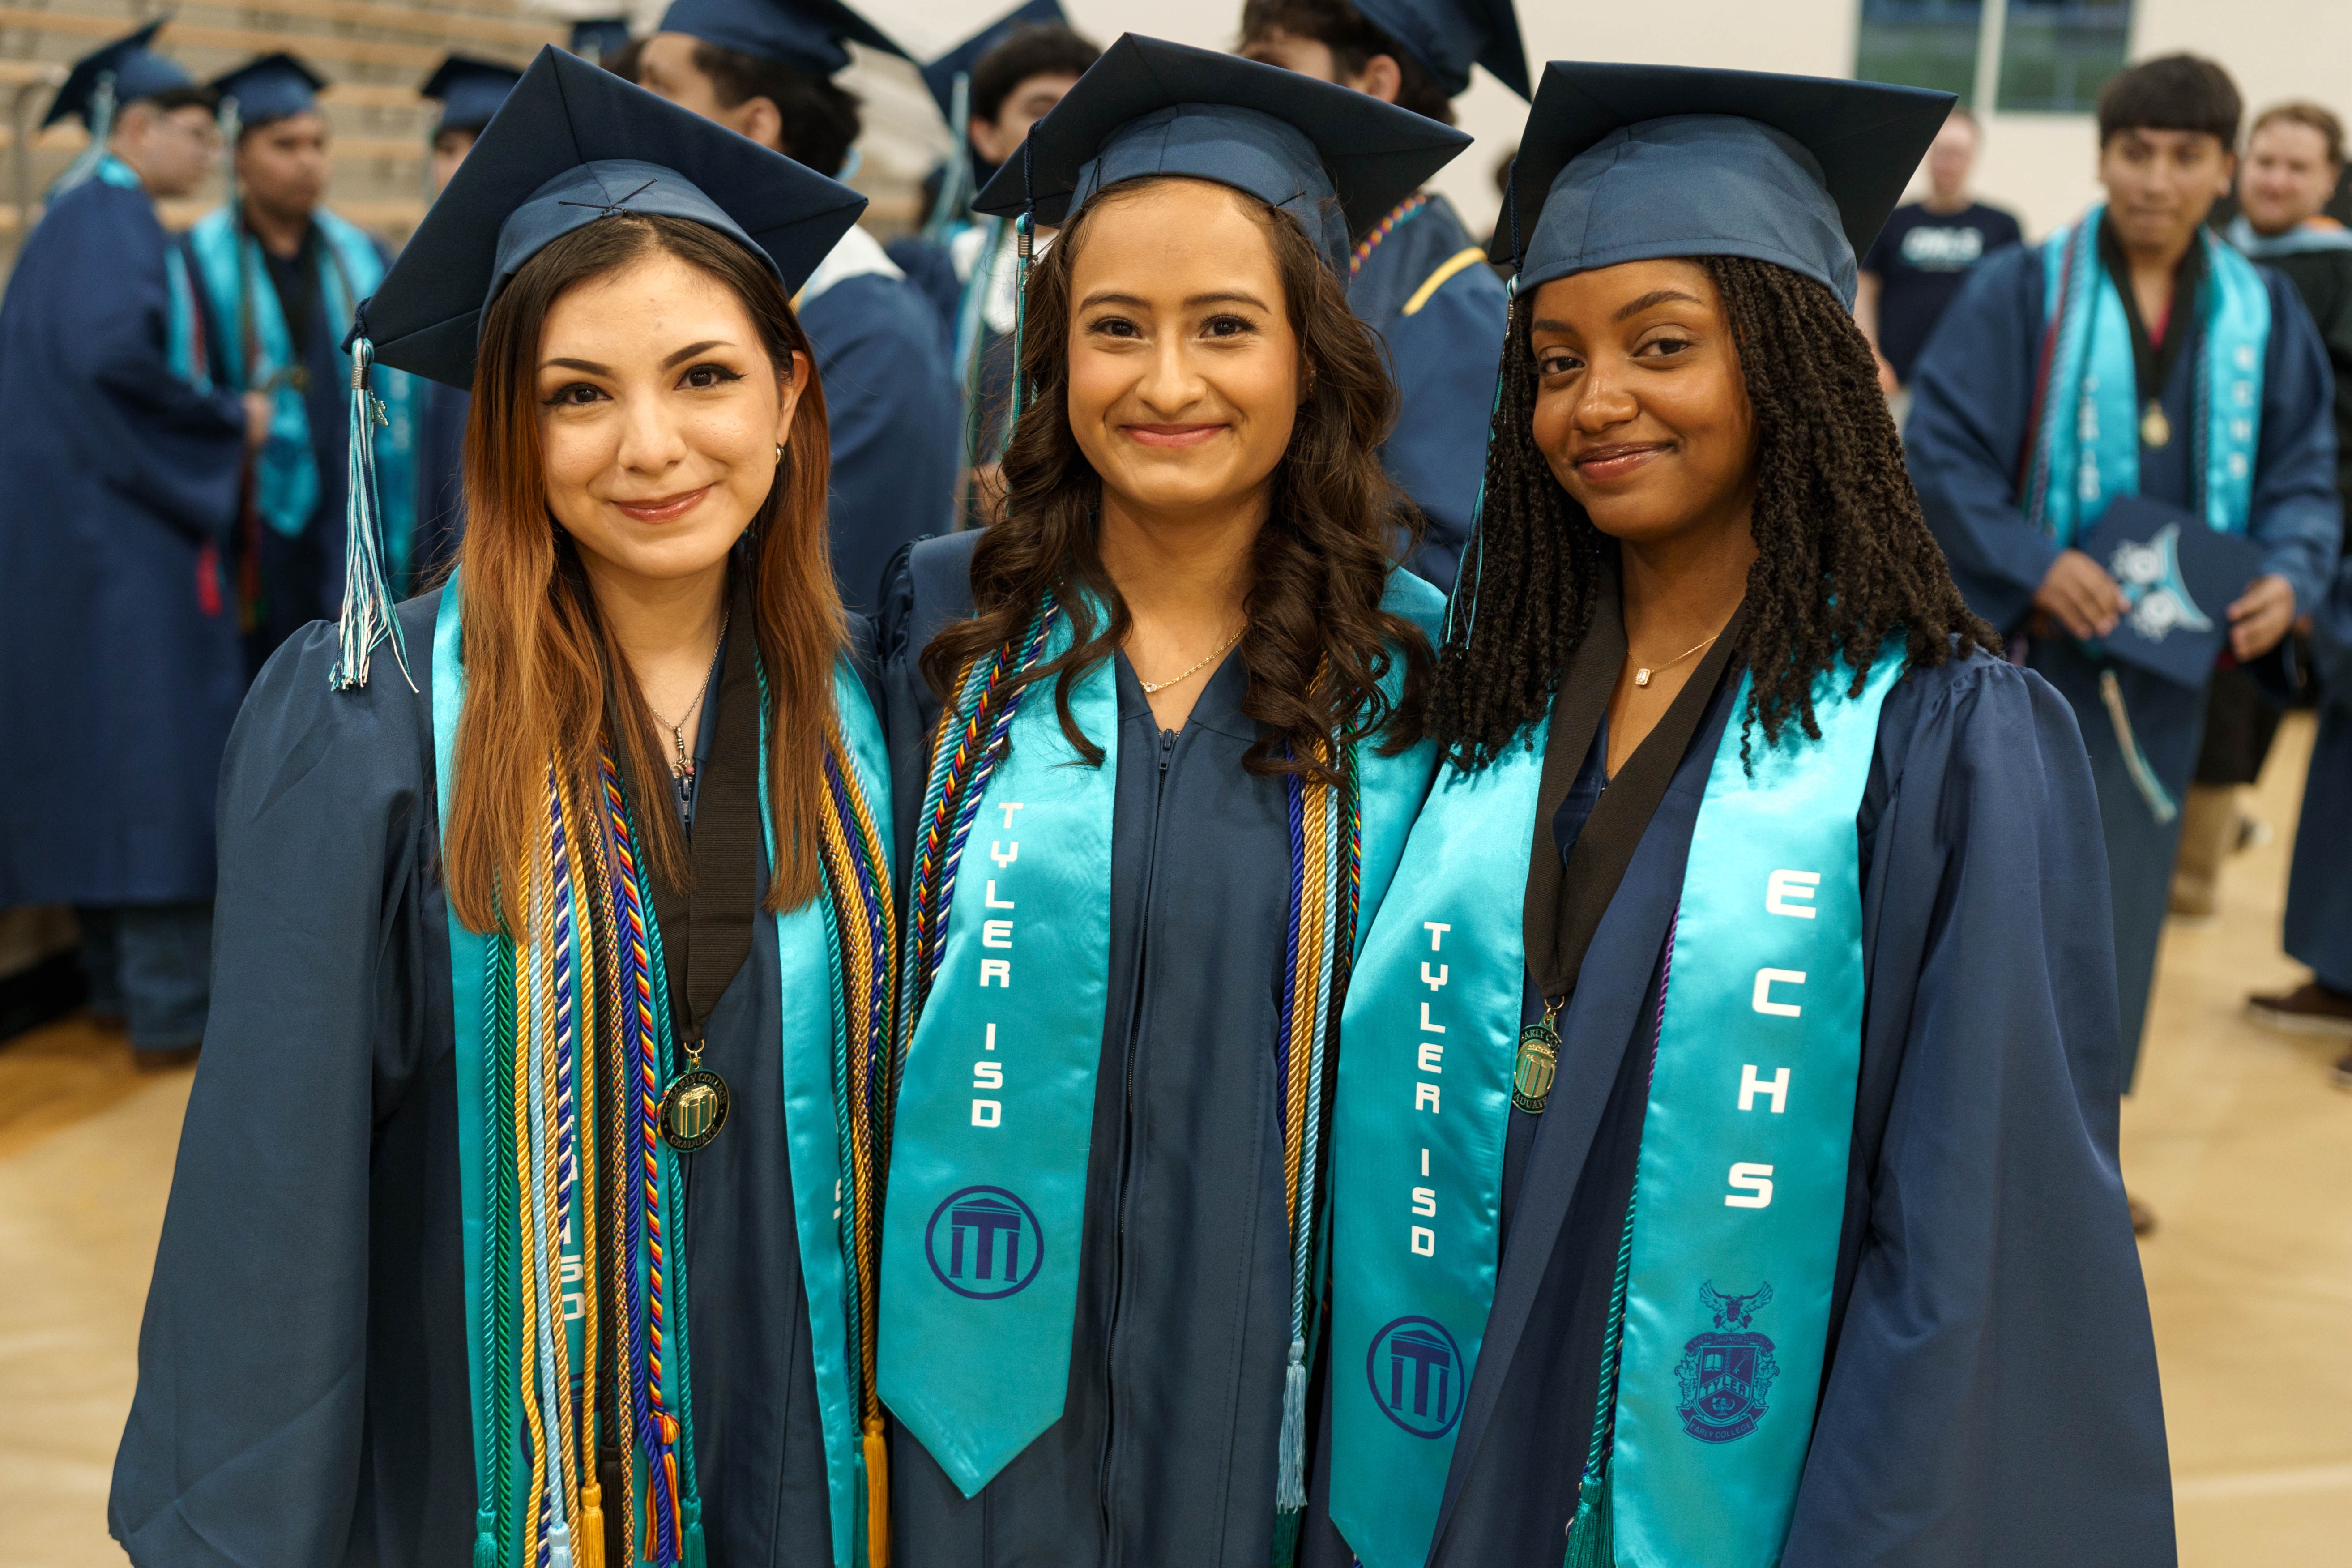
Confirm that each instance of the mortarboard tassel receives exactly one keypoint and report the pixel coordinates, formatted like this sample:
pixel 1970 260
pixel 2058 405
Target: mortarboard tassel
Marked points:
pixel 102 126
pixel 1466 582
pixel 2160 803
pixel 955 182
pixel 368 618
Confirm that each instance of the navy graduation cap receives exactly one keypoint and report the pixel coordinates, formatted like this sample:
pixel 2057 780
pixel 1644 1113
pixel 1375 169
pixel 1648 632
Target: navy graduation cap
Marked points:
pixel 272 87
pixel 940 75
pixel 1448 36
pixel 470 91
pixel 579 144
pixel 2181 577
pixel 129 70
pixel 1630 162
pixel 808 34
pixel 1334 159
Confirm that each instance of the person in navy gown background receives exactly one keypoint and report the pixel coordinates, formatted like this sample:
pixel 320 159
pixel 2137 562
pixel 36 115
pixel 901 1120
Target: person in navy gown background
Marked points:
pixel 1418 277
pixel 120 665
pixel 2167 128
pixel 764 68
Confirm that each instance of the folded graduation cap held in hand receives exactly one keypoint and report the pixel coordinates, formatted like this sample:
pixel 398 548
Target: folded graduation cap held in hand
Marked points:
pixel 2181 577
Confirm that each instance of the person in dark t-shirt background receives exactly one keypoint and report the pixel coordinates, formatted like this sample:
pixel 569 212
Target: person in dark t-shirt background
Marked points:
pixel 1925 251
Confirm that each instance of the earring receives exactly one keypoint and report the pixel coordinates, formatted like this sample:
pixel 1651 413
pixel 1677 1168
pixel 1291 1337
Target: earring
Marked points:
pixel 780 451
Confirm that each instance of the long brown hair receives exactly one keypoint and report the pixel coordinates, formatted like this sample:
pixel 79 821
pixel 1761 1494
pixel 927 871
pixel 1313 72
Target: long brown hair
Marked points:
pixel 1319 642
pixel 544 679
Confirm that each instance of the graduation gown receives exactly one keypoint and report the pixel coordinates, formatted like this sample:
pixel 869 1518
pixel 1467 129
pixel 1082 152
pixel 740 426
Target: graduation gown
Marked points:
pixel 1972 398
pixel 119 666
pixel 1427 291
pixel 1990 1389
pixel 892 407
pixel 303 1391
pixel 1166 1449
pixel 2319 886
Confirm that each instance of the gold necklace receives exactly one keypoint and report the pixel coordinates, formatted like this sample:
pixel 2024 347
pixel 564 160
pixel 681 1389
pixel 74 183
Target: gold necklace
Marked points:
pixel 682 766
pixel 1151 686
pixel 1642 673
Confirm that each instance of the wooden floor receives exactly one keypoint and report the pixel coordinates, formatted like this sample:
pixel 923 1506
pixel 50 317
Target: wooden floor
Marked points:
pixel 2237 1138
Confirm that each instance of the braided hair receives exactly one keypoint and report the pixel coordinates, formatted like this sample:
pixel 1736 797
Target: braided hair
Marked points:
pixel 1843 556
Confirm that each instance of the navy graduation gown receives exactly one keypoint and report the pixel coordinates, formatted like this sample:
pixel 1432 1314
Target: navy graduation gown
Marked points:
pixel 2319 887
pixel 440 477
pixel 1166 1448
pixel 1445 349
pixel 896 422
pixel 930 268
pixel 119 666
pixel 302 1380
pixel 1990 1394
pixel 1972 396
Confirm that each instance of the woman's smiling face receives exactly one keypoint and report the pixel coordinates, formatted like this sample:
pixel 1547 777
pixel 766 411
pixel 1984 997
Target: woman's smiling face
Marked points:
pixel 1641 411
pixel 1184 369
pixel 660 411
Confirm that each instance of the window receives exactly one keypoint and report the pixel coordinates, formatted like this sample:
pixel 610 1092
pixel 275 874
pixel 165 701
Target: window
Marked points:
pixel 2047 56
pixel 2055 54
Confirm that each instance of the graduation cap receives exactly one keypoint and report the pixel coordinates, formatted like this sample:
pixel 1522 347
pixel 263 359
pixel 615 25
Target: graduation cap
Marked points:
pixel 271 87
pixel 470 91
pixel 1448 36
pixel 2181 577
pixel 940 75
pixel 1334 159
pixel 808 34
pixel 126 70
pixel 573 145
pixel 1630 162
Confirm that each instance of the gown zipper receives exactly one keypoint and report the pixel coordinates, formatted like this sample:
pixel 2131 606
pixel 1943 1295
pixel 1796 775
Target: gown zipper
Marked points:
pixel 1127 1152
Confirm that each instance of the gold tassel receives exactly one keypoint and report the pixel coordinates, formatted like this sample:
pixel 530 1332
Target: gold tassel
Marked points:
pixel 877 1496
pixel 588 1547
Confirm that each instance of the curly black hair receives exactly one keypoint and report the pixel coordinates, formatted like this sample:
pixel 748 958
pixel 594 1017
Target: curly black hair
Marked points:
pixel 1843 554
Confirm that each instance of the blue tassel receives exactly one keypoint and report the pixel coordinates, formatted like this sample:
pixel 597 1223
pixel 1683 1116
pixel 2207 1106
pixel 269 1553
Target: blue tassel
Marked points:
pixel 1290 1473
pixel 1590 1543
pixel 102 126
pixel 368 616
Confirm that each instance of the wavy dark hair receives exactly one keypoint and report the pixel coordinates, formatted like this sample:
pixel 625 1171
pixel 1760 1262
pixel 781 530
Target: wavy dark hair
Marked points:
pixel 1843 556
pixel 1317 643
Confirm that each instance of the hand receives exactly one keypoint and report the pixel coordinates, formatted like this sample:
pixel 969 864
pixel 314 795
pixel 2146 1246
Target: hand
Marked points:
pixel 2080 594
pixel 2262 614
pixel 257 415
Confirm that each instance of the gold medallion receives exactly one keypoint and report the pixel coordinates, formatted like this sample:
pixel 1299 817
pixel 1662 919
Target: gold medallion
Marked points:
pixel 2155 430
pixel 693 1109
pixel 1538 1064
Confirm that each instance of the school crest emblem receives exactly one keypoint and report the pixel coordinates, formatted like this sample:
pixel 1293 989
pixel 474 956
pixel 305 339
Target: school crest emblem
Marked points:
pixel 1725 1376
pixel 2150 577
pixel 985 1243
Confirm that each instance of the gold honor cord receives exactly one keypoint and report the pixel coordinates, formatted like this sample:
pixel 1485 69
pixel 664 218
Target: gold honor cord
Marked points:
pixel 527 1341
pixel 549 1052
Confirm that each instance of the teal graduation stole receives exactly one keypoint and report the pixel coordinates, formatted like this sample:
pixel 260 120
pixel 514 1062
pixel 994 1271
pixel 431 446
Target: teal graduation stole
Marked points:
pixel 562 1047
pixel 2086 445
pixel 258 352
pixel 1003 985
pixel 1741 1182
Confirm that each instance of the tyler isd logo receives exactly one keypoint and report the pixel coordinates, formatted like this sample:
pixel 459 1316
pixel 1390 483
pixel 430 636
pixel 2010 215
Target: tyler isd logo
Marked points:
pixel 1724 1377
pixel 985 1243
pixel 1417 1376
pixel 2154 587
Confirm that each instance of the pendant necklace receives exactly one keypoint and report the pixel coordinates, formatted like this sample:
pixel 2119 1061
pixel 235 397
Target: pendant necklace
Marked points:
pixel 1642 675
pixel 2155 430
pixel 1151 686
pixel 694 1104
pixel 1538 1062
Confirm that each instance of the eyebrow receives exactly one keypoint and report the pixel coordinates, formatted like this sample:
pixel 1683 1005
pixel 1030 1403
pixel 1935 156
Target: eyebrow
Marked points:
pixel 591 367
pixel 1221 297
pixel 1654 297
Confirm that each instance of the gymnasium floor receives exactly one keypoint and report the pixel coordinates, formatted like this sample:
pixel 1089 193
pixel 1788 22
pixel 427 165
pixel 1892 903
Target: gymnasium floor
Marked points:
pixel 2237 1138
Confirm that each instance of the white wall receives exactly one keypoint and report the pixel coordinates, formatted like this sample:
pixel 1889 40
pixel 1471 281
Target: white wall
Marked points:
pixel 2039 165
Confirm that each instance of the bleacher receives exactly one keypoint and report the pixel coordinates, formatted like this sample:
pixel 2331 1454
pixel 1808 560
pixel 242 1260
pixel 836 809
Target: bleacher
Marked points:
pixel 376 52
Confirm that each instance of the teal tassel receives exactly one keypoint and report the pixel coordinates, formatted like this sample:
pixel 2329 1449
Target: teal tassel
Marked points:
pixel 485 1540
pixel 1290 1483
pixel 367 619
pixel 1589 1542
pixel 102 126
pixel 2160 803
pixel 694 1556
pixel 955 184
